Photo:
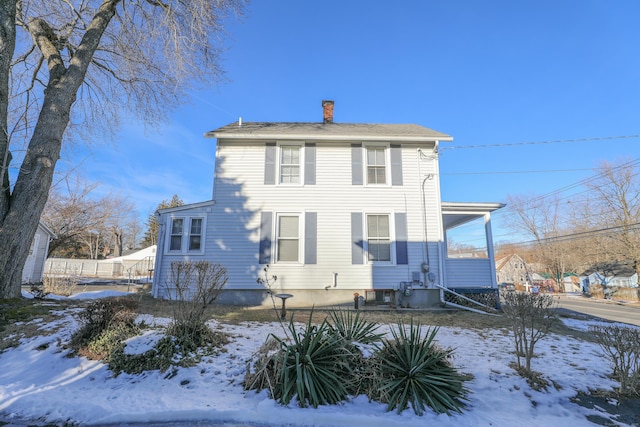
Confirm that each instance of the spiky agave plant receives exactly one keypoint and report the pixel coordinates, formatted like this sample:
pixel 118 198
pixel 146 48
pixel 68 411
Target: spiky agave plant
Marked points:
pixel 353 327
pixel 412 368
pixel 314 363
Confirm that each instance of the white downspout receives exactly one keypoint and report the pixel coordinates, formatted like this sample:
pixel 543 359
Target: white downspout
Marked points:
pixel 440 240
pixel 155 286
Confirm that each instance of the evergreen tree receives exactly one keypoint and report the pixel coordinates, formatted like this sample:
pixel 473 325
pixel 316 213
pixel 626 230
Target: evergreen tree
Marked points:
pixel 153 227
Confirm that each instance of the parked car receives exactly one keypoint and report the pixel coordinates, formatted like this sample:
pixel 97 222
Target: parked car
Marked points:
pixel 506 286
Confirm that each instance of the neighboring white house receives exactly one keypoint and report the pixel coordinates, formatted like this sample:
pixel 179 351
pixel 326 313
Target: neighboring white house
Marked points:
pixel 333 209
pixel 512 270
pixel 34 265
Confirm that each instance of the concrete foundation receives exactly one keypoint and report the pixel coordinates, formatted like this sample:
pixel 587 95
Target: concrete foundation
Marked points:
pixel 416 298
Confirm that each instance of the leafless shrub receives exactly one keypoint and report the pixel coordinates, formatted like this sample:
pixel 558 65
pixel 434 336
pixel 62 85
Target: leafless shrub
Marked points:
pixel 621 346
pixel 531 317
pixel 59 285
pixel 194 285
pixel 264 367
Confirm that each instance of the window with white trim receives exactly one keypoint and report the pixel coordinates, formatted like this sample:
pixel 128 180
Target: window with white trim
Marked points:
pixel 378 238
pixel 290 164
pixel 175 243
pixel 195 234
pixel 186 234
pixel 376 165
pixel 288 238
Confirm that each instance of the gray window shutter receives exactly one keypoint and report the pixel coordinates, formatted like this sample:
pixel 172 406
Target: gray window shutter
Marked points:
pixel 264 257
pixel 270 163
pixel 311 238
pixel 357 239
pixel 402 255
pixel 356 164
pixel 309 164
pixel 396 164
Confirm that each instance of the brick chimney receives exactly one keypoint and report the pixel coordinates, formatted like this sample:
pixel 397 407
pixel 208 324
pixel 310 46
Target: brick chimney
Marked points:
pixel 327 111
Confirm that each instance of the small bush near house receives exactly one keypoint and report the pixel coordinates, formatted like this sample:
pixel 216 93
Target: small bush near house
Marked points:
pixel 195 285
pixel 324 364
pixel 353 327
pixel 629 294
pixel 621 346
pixel 104 324
pixel 59 285
pixel 325 357
pixel 531 317
pixel 108 323
pixel 313 364
pixel 264 368
pixel 37 290
pixel 314 367
pixel 412 369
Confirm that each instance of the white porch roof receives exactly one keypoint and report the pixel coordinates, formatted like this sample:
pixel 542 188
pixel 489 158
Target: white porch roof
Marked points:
pixel 458 213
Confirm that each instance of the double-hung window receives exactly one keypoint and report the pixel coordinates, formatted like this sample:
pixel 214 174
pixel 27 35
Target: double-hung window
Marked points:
pixel 195 234
pixel 290 164
pixel 376 165
pixel 378 238
pixel 186 234
pixel 175 243
pixel 288 238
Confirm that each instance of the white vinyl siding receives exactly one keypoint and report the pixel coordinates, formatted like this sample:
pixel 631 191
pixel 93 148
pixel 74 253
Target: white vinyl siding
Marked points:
pixel 233 231
pixel 467 272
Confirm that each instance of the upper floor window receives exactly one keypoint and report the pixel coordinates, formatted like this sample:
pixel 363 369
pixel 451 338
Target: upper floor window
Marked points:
pixel 290 164
pixel 186 234
pixel 288 238
pixel 378 238
pixel 376 165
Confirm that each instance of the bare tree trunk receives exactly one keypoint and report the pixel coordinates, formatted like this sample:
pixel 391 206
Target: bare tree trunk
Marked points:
pixel 117 245
pixel 25 205
pixel 7 48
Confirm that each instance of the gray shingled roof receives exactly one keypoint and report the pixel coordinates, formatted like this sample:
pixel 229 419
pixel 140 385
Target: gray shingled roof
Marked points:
pixel 328 131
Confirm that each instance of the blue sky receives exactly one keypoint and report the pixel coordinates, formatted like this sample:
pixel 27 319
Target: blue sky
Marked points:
pixel 485 72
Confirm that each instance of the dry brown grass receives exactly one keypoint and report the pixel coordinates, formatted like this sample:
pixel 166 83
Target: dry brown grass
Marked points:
pixel 26 310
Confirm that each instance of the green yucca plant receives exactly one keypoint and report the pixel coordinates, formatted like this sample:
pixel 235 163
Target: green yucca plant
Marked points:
pixel 411 368
pixel 353 328
pixel 313 366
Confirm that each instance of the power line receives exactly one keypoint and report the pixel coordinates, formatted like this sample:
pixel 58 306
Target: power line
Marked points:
pixel 553 141
pixel 582 234
pixel 579 183
pixel 515 172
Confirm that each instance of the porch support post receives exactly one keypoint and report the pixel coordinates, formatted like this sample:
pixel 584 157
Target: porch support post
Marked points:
pixel 490 253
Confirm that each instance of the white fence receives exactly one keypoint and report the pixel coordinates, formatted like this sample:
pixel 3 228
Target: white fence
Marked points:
pixel 99 268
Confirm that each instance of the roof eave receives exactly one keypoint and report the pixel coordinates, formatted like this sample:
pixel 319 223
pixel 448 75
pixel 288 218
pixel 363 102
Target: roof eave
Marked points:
pixel 186 207
pixel 336 137
pixel 470 206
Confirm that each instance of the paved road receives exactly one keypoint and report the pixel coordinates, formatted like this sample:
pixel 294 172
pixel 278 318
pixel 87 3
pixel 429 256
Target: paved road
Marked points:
pixel 610 310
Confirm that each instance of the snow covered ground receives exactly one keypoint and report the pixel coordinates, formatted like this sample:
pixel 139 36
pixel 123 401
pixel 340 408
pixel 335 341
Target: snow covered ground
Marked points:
pixel 39 382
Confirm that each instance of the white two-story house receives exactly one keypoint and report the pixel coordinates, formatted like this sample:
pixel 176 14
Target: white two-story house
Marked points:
pixel 333 209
